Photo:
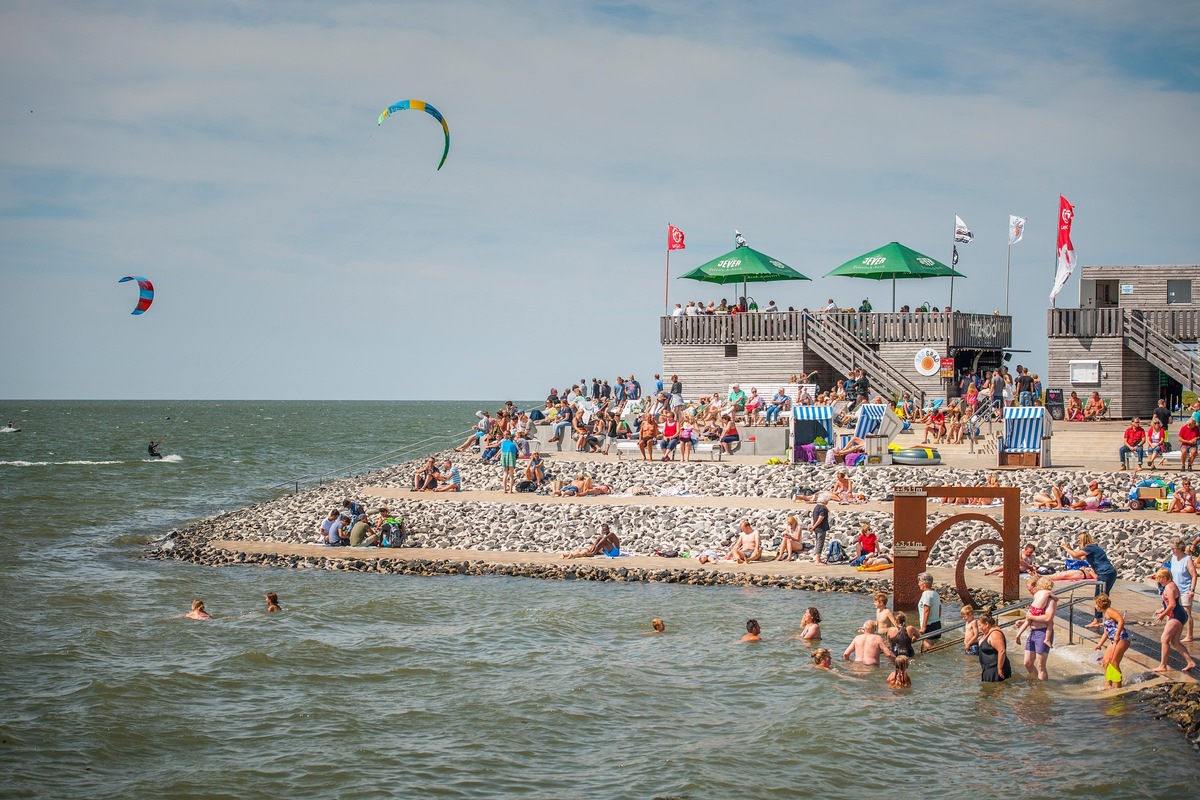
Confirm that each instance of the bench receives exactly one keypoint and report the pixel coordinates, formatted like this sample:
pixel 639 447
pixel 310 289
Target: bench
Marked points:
pixel 767 392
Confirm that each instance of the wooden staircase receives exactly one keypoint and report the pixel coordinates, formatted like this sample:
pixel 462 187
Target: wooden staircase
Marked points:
pixel 839 346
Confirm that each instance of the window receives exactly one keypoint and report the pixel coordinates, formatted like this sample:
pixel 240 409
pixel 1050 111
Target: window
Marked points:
pixel 1179 292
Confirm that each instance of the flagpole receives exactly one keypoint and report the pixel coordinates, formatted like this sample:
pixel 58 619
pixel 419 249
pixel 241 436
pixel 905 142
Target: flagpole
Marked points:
pixel 953 233
pixel 1007 272
pixel 667 284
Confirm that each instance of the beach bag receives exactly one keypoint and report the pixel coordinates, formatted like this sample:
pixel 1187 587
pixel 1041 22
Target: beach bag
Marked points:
pixel 835 553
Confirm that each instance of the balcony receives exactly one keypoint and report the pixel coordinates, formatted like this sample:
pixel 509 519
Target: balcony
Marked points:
pixel 1088 323
pixel 977 331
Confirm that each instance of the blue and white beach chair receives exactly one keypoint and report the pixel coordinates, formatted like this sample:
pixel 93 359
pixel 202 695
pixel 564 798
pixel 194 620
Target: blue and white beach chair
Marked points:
pixel 1026 430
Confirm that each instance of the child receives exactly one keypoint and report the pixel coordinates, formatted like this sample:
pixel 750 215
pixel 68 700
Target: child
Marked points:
pixel 272 602
pixel 508 460
pixel 1115 634
pixel 198 611
pixel 970 631
pixel 899 678
pixel 883 615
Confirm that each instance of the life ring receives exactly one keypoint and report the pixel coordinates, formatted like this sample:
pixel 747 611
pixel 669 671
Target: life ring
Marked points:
pixel 917 457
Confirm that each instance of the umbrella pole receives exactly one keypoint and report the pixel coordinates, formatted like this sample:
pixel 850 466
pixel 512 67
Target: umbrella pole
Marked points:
pixel 893 295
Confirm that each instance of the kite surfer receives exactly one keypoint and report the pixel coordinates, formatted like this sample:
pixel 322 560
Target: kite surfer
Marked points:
pixel 153 448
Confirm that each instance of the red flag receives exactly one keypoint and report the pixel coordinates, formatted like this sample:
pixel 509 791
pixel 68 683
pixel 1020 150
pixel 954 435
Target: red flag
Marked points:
pixel 1066 250
pixel 674 238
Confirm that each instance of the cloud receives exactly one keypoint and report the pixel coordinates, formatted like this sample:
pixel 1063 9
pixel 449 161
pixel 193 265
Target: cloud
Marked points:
pixel 231 151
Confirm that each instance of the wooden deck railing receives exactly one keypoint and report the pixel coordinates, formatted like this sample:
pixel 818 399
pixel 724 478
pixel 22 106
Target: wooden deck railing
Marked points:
pixel 987 331
pixel 1107 322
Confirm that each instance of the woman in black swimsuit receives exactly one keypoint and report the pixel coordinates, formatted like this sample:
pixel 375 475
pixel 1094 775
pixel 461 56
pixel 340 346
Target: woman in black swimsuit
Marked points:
pixel 900 638
pixel 1176 616
pixel 993 655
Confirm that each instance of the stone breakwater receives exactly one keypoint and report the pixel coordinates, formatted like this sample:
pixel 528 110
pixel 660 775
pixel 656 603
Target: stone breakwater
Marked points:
pixel 204 553
pixel 1181 703
pixel 1136 542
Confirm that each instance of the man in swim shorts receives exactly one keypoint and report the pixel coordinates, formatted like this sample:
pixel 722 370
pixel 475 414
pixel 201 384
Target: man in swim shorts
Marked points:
pixel 606 543
pixel 868 645
pixel 747 547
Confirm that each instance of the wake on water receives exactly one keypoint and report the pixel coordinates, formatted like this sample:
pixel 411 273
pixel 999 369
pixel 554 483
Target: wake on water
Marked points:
pixel 173 458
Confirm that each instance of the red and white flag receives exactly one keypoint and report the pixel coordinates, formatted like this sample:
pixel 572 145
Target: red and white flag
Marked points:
pixel 674 238
pixel 1066 250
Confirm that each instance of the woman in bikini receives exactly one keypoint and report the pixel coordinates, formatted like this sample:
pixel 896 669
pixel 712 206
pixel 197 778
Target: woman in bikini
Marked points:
pixel 1052 498
pixel 1074 408
pixel 1184 501
pixel 791 545
pixel 810 625
pixel 954 423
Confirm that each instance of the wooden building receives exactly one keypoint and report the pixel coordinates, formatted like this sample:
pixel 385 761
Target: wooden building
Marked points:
pixel 895 349
pixel 1133 338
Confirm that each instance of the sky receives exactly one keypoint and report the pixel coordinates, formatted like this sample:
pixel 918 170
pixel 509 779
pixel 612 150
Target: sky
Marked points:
pixel 229 152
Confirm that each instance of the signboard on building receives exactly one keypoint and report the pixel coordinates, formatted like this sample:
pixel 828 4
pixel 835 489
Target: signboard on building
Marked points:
pixel 927 362
pixel 1126 288
pixel 1085 371
pixel 947 368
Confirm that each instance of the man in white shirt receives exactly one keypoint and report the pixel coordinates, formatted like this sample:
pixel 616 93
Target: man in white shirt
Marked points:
pixel 831 306
pixel 678 312
pixel 770 307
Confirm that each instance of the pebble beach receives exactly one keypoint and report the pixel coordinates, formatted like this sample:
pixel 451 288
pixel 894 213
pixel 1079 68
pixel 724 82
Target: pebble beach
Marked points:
pixel 691 507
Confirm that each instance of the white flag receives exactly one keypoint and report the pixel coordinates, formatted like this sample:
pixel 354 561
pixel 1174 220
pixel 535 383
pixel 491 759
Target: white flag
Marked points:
pixel 962 234
pixel 1016 228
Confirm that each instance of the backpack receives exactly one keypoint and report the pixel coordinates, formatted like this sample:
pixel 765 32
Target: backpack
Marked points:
pixel 393 533
pixel 835 552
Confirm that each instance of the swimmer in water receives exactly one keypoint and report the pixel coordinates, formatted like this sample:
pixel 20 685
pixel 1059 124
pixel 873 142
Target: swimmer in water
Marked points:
pixel 272 602
pixel 899 678
pixel 658 625
pixel 822 658
pixel 752 631
pixel 198 611
pixel 153 448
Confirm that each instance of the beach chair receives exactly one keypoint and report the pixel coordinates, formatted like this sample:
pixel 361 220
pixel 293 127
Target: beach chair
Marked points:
pixel 1026 439
pixel 808 424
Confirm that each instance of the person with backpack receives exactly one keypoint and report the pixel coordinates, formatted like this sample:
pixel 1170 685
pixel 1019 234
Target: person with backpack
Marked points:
pixel 819 527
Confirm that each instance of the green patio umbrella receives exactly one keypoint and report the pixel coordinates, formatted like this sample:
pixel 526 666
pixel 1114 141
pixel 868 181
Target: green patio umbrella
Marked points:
pixel 894 261
pixel 744 265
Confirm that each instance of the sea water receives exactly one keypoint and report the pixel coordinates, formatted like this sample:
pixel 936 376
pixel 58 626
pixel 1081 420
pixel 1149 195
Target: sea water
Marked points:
pixel 398 686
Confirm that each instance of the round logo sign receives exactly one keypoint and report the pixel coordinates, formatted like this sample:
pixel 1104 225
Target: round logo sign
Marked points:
pixel 927 362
